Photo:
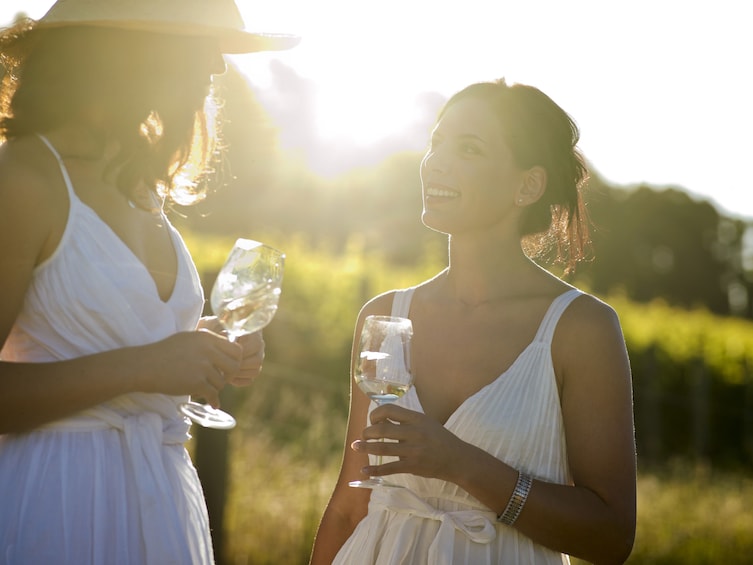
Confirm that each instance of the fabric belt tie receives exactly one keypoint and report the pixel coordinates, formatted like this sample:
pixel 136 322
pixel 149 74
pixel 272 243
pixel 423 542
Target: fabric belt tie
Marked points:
pixel 144 436
pixel 477 525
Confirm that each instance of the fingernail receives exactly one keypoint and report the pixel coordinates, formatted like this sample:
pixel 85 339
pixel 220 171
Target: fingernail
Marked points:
pixel 356 445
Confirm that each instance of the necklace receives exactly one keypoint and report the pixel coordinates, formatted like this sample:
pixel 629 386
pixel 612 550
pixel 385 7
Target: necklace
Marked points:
pixel 155 209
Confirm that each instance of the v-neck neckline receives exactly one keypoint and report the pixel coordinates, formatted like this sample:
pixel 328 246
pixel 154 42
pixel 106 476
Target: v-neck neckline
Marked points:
pixel 88 209
pixel 454 414
pixel 537 340
pixel 74 199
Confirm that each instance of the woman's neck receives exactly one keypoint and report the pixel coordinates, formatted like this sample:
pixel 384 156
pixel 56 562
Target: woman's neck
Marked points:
pixel 489 270
pixel 81 142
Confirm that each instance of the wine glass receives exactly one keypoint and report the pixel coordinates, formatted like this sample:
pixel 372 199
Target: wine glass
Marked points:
pixel 244 298
pixel 382 369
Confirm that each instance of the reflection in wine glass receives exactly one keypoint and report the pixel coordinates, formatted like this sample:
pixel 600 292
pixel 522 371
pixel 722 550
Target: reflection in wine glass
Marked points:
pixel 382 368
pixel 244 298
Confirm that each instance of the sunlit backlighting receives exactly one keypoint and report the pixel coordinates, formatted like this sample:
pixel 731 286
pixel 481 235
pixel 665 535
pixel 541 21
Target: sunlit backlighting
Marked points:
pixel 363 116
pixel 663 110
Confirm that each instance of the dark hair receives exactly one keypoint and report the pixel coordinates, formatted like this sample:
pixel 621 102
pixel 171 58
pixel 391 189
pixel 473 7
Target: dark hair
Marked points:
pixel 540 133
pixel 152 92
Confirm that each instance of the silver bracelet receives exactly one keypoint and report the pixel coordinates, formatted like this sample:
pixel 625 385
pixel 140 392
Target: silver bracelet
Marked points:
pixel 517 500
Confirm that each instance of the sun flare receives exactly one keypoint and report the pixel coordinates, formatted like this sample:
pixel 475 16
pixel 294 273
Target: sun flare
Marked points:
pixel 362 115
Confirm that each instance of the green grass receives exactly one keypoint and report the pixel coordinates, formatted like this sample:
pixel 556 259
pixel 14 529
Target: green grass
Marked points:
pixel 692 515
pixel 284 461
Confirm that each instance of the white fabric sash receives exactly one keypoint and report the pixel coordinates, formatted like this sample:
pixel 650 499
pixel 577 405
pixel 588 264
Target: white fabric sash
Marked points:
pixel 144 433
pixel 477 525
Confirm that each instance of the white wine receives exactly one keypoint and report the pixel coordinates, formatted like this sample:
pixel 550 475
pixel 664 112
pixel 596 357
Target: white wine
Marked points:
pixel 382 369
pixel 249 313
pixel 382 391
pixel 244 298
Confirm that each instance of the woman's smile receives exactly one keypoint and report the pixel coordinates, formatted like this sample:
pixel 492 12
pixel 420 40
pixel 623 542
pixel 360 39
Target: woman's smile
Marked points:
pixel 441 191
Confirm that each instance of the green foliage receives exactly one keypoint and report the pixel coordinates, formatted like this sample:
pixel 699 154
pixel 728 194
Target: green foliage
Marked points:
pixel 285 454
pixel 725 344
pixel 323 291
pixel 664 244
pixel 691 516
pixel 692 382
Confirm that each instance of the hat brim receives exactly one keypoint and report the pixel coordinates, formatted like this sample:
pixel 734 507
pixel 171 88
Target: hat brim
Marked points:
pixel 248 42
pixel 230 41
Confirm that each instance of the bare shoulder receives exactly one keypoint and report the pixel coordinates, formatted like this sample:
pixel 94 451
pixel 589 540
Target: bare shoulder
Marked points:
pixel 380 305
pixel 25 172
pixel 31 215
pixel 588 314
pixel 33 200
pixel 589 340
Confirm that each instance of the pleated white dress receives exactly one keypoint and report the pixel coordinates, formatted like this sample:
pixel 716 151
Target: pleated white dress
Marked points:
pixel 518 419
pixel 113 484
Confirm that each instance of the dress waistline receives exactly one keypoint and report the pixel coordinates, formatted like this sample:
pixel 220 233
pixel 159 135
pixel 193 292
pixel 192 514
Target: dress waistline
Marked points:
pixel 477 525
pixel 171 431
pixel 145 434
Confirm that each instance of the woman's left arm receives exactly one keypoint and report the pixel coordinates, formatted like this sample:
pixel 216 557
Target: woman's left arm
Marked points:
pixel 594 518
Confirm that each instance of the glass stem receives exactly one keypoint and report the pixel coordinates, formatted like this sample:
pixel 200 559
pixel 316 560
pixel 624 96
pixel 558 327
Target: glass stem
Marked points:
pixel 381 439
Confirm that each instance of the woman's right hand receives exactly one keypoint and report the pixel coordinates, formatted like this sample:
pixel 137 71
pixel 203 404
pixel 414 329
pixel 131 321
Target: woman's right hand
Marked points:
pixel 197 363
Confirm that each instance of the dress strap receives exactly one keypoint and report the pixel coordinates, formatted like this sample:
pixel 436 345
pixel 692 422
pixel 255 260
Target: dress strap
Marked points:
pixel 553 314
pixel 63 170
pixel 401 302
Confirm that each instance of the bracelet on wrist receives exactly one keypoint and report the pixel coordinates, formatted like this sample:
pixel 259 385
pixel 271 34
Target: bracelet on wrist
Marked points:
pixel 517 500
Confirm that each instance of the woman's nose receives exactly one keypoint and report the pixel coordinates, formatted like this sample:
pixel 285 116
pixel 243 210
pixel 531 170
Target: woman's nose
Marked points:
pixel 218 65
pixel 433 162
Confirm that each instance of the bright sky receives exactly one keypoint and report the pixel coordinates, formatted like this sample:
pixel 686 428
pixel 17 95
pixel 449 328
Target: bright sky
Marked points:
pixel 661 89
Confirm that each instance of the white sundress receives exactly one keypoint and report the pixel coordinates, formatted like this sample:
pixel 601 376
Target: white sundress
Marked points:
pixel 518 419
pixel 113 484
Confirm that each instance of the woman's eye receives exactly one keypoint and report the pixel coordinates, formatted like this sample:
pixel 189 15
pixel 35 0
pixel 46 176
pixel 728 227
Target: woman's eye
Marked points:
pixel 469 148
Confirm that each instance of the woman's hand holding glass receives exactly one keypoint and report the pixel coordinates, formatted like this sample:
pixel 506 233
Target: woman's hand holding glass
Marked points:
pixel 419 444
pixel 195 362
pixel 382 367
pixel 252 356
pixel 251 360
pixel 244 298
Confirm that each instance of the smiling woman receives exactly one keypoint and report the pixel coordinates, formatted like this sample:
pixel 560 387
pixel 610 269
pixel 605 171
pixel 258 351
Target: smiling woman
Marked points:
pixel 502 355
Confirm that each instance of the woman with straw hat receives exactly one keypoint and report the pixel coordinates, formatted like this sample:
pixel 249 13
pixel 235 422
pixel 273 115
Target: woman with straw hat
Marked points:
pixel 106 116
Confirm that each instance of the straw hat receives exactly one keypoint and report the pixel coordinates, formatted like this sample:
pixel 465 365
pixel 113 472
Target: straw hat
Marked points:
pixel 207 18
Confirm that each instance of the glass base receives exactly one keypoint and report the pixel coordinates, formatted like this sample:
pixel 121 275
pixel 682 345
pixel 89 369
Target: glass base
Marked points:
pixel 205 415
pixel 373 482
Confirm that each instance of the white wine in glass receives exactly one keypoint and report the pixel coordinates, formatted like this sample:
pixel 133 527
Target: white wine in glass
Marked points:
pixel 382 368
pixel 244 298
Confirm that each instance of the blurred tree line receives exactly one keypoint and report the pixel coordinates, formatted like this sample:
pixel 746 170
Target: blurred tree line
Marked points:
pixel 648 243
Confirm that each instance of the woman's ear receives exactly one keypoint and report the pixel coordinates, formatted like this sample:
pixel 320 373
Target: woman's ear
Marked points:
pixel 532 187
